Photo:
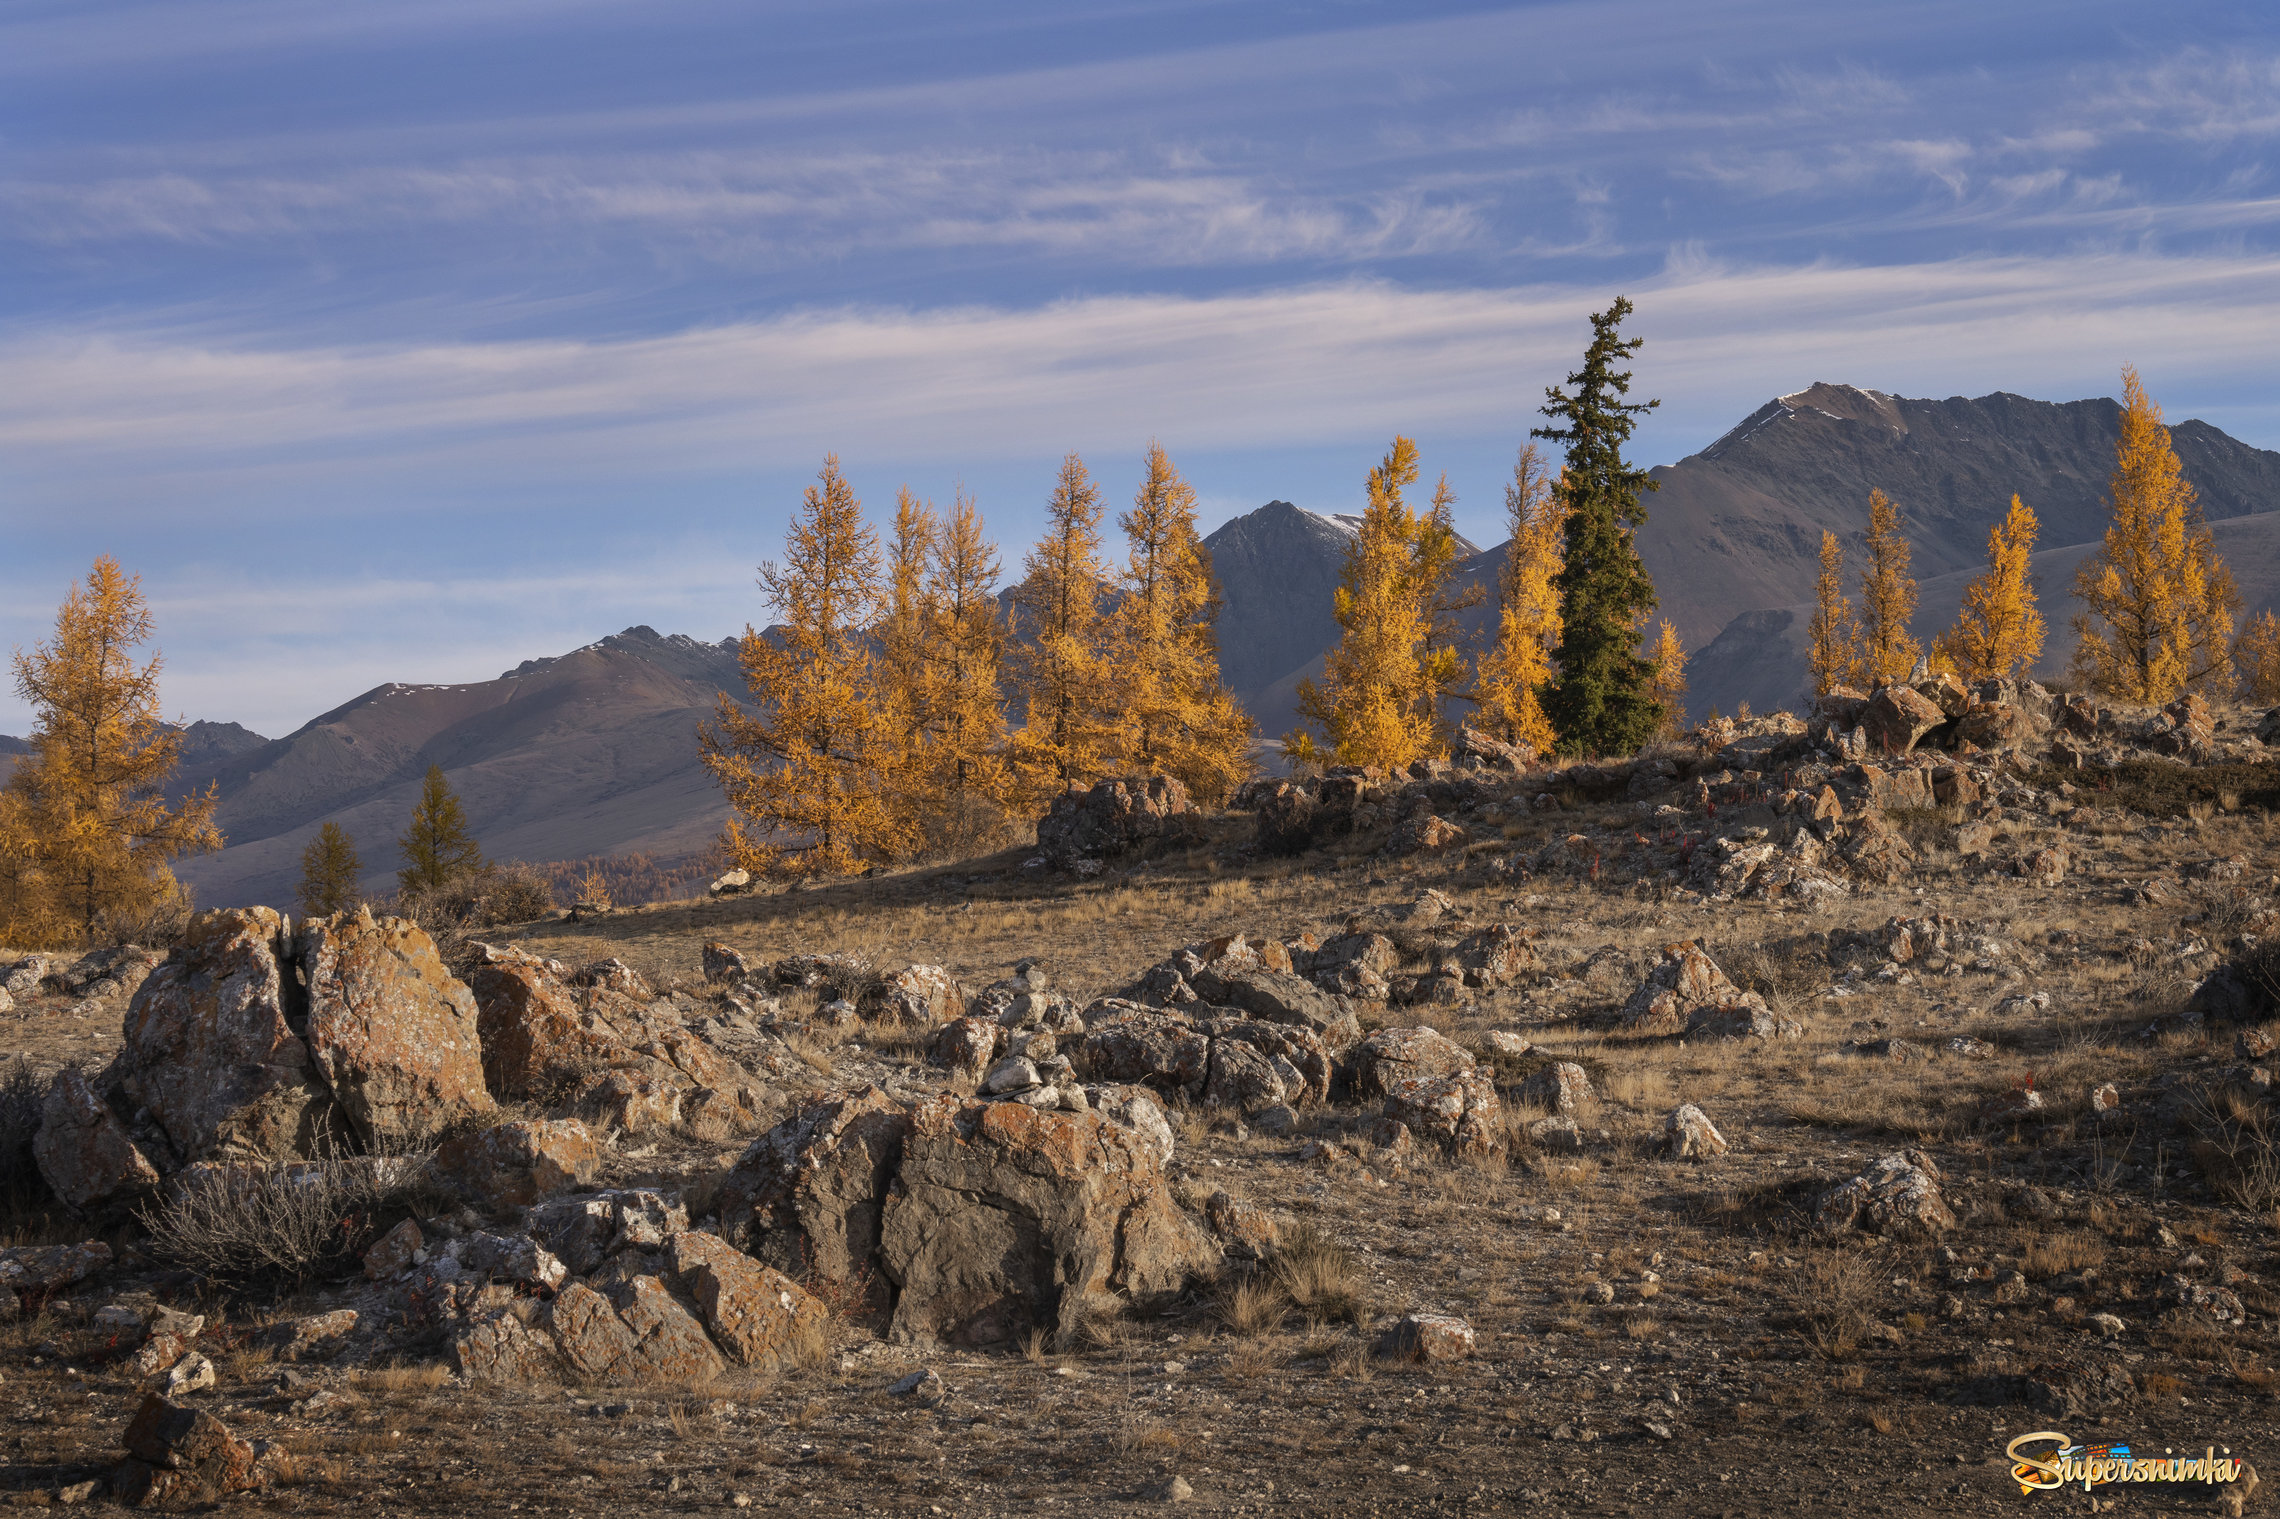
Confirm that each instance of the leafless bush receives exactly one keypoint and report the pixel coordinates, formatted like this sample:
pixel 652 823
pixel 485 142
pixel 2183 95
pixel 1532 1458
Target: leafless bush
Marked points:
pixel 157 924
pixel 2237 1146
pixel 1833 1293
pixel 282 1224
pixel 21 1093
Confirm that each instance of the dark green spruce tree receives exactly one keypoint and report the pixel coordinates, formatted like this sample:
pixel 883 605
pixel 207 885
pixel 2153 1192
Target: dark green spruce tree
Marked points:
pixel 329 868
pixel 1604 700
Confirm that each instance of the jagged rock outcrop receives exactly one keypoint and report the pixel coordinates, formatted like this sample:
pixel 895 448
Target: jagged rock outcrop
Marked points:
pixel 392 1032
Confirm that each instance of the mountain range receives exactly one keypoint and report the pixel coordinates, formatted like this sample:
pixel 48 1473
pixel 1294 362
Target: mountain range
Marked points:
pixel 593 752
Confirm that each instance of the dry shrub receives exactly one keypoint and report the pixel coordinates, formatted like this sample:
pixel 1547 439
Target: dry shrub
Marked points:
pixel 2057 1254
pixel 2237 1146
pixel 22 1189
pixel 1252 1305
pixel 1321 1278
pixel 285 1224
pixel 1833 1293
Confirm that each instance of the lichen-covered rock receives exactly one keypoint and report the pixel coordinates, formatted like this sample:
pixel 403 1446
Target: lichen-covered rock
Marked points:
pixel 592 1338
pixel 923 995
pixel 669 1343
pixel 757 1314
pixel 31 1269
pixel 395 1252
pixel 805 1196
pixel 1458 1112
pixel 1111 818
pixel 1898 1197
pixel 1394 1055
pixel 724 965
pixel 1245 1231
pixel 1564 1088
pixel 1688 1134
pixel 317 1334
pixel 967 1046
pixel 1897 717
pixel 1162 1050
pixel 209 1052
pixel 1296 1056
pixel 1428 1337
pixel 515 1259
pixel 393 1033
pixel 1136 1109
pixel 180 1458
pixel 1005 1218
pixel 1279 997
pixel 1498 955
pixel 512 1165
pixel 84 1152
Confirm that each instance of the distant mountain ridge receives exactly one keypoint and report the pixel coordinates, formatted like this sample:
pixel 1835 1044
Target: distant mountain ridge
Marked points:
pixel 593 752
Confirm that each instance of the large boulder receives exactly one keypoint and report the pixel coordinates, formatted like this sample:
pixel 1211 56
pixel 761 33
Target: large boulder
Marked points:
pixel 512 1165
pixel 1354 965
pixel 1394 1055
pixel 1006 1219
pixel 1687 993
pixel 1457 1112
pixel 1279 997
pixel 393 1032
pixel 84 1152
pixel 209 1051
pixel 1898 1197
pixel 805 1196
pixel 1112 818
pixel 758 1315
pixel 1137 1045
pixel 920 994
pixel 538 1042
pixel 1897 718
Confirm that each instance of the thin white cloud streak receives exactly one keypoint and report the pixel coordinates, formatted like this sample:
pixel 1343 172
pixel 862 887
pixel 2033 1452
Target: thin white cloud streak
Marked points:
pixel 1240 371
pixel 767 207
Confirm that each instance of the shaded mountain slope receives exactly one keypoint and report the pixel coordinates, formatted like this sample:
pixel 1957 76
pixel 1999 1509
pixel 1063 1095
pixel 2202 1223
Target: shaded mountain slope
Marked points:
pixel 592 752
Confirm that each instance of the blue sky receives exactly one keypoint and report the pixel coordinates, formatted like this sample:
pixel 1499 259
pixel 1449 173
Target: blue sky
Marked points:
pixel 408 341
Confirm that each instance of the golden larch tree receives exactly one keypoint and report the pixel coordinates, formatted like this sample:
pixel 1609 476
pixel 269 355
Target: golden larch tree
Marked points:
pixel 1888 655
pixel 2158 605
pixel 905 697
pixel 1668 656
pixel 965 641
pixel 1519 665
pixel 1179 718
pixel 87 832
pixel 1443 671
pixel 1833 654
pixel 2257 657
pixel 1374 704
pixel 1998 629
pixel 1061 665
pixel 439 849
pixel 804 763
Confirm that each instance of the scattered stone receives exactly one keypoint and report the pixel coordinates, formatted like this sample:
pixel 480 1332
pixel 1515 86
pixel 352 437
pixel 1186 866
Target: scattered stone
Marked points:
pixel 731 883
pixel 922 995
pixel 179 1458
pixel 1244 1230
pixel 1458 1112
pixel 1502 1042
pixel 1686 992
pixel 2045 866
pixel 1688 1134
pixel 193 1373
pixel 1425 834
pixel 1556 1136
pixel 1429 1337
pixel 1897 718
pixel 84 1151
pixel 923 1387
pixel 1898 1197
pixel 1565 1088
pixel 512 1165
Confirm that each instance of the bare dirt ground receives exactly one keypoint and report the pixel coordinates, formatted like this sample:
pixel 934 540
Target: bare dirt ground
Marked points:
pixel 1653 1336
